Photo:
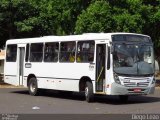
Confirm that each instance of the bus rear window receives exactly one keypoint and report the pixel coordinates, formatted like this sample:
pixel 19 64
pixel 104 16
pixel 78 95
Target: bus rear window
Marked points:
pixel 11 53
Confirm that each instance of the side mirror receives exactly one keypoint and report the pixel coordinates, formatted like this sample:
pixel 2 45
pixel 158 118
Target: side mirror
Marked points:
pixel 156 66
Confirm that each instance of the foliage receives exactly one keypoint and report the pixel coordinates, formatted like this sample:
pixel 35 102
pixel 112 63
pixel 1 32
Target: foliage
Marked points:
pixel 33 18
pixel 97 18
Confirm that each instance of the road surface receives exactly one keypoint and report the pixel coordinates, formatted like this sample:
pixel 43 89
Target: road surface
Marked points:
pixel 18 101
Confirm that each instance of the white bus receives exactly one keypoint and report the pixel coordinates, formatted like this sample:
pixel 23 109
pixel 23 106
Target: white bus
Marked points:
pixel 94 63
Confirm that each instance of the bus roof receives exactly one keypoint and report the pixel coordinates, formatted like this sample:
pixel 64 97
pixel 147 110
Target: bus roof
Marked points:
pixel 85 36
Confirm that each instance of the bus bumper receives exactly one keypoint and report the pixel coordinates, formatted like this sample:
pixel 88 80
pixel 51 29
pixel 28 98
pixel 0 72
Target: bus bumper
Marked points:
pixel 117 89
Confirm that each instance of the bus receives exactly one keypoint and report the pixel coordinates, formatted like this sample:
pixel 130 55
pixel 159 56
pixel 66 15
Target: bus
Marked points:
pixel 119 64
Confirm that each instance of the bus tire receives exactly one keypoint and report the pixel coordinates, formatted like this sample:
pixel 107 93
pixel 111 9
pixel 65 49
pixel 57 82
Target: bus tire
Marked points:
pixel 33 87
pixel 89 92
pixel 123 98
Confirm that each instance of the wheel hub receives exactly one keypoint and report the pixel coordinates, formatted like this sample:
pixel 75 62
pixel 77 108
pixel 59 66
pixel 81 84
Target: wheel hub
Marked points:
pixel 86 91
pixel 33 87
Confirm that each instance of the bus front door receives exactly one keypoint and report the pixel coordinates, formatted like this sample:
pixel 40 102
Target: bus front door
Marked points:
pixel 100 67
pixel 21 51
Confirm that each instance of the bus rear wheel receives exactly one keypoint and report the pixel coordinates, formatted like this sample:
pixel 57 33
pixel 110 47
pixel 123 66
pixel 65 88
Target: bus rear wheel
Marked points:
pixel 89 92
pixel 33 87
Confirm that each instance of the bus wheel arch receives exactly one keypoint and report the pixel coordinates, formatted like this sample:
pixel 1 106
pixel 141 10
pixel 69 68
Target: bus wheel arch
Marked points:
pixel 32 85
pixel 86 85
pixel 29 77
pixel 82 83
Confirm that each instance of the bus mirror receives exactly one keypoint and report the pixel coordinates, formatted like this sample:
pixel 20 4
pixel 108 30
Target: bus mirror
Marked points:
pixel 156 66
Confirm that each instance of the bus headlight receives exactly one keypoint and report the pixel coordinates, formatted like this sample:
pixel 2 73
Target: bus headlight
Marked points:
pixel 154 80
pixel 116 78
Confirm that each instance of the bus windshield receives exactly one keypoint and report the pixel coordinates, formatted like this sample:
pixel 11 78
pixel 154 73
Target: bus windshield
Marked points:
pixel 133 59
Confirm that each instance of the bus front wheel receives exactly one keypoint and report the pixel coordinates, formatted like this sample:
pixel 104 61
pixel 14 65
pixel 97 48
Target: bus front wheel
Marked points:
pixel 89 92
pixel 33 87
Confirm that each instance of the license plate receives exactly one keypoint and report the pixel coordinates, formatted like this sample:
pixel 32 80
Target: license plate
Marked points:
pixel 137 90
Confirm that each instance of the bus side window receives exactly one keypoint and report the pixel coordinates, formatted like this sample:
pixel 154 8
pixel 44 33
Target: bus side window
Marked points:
pixel 36 52
pixel 85 51
pixel 11 53
pixel 27 53
pixel 51 51
pixel 67 51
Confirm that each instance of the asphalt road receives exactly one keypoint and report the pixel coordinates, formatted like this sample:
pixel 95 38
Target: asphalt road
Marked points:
pixel 18 101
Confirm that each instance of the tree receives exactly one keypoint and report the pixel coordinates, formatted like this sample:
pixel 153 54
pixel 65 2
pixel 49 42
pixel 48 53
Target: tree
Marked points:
pixel 11 13
pixel 55 17
pixel 33 18
pixel 96 18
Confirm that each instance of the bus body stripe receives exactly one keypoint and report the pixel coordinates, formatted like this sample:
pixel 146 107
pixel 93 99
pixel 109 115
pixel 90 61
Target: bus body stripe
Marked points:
pixel 11 75
pixel 57 78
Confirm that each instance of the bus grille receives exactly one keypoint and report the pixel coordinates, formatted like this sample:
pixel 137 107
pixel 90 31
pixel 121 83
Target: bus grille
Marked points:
pixel 137 82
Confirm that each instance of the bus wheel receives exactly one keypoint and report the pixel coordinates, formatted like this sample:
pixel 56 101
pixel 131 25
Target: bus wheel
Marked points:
pixel 33 87
pixel 123 98
pixel 89 92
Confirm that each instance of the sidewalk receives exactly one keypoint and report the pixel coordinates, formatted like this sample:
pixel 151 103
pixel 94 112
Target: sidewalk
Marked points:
pixel 5 85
